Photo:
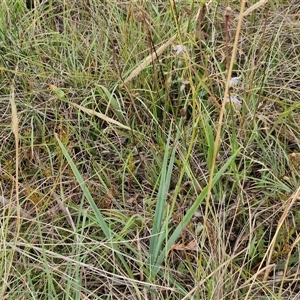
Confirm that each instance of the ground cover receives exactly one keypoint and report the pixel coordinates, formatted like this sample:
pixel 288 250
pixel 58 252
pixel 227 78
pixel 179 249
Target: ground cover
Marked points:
pixel 149 149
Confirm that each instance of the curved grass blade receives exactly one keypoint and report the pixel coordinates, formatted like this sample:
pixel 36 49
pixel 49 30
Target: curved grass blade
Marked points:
pixel 106 230
pixel 188 216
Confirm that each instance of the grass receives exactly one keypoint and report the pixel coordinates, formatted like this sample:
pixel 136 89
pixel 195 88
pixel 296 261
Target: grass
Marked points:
pixel 127 171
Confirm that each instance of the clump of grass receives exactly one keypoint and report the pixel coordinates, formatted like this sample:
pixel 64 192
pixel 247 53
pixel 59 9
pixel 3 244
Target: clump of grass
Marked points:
pixel 132 166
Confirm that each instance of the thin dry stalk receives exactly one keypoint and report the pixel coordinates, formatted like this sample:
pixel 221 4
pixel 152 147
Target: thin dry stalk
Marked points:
pixel 100 115
pixel 254 7
pixel 148 60
pixel 270 249
pixel 269 252
pixel 15 130
pixel 220 122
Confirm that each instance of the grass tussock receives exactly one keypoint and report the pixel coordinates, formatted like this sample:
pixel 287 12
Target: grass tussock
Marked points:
pixel 149 149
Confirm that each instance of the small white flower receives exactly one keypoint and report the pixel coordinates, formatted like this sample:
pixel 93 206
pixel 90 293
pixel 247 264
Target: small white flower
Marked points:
pixel 179 49
pixel 185 82
pixel 182 87
pixel 234 99
pixel 234 81
pixel 179 63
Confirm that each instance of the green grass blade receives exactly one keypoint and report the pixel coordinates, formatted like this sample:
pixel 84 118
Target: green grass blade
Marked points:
pixel 188 216
pixel 112 102
pixel 106 230
pixel 165 179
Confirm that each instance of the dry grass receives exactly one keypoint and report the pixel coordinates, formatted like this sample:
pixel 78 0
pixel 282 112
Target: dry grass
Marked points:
pixel 124 172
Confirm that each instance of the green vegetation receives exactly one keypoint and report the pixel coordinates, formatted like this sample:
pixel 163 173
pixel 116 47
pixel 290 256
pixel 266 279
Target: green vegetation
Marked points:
pixel 149 149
